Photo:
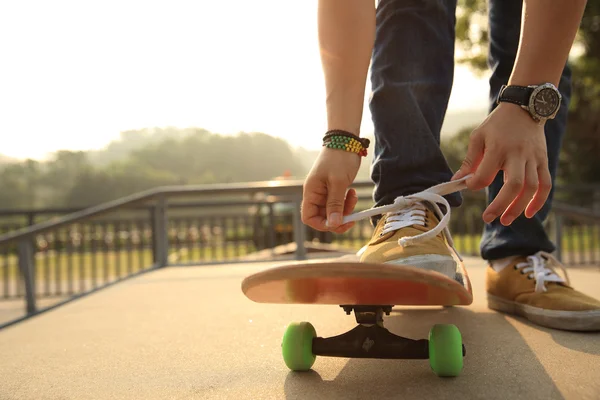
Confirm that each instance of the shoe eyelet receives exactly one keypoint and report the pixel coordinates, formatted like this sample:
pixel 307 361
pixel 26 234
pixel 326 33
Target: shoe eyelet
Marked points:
pixel 515 267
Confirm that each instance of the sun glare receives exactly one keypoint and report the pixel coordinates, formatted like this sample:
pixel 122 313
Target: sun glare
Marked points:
pixel 75 74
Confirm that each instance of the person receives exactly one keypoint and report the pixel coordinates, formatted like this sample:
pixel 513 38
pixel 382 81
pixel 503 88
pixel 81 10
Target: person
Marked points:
pixel 409 45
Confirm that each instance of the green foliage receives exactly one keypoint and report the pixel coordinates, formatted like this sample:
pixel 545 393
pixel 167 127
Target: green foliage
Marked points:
pixel 19 183
pixel 242 158
pixel 455 147
pixel 579 159
pixel 145 159
pixel 133 140
pixel 472 34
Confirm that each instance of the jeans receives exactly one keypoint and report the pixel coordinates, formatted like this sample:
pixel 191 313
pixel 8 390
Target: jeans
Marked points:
pixel 411 77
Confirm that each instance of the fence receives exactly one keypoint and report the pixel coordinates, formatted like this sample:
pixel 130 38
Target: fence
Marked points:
pixel 66 256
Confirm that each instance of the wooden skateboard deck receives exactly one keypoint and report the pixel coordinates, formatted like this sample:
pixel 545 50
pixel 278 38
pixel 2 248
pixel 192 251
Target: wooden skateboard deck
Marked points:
pixel 346 281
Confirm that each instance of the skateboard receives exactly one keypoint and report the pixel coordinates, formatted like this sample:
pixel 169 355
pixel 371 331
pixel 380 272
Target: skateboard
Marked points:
pixel 369 291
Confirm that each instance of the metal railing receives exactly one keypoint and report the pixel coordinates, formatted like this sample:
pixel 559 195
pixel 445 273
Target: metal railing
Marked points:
pixel 576 233
pixel 63 258
pixel 585 196
pixel 89 249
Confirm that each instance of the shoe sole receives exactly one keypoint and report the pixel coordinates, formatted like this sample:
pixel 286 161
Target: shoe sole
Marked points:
pixel 432 262
pixel 581 321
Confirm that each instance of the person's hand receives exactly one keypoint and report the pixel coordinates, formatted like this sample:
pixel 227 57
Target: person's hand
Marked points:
pixel 511 141
pixel 325 200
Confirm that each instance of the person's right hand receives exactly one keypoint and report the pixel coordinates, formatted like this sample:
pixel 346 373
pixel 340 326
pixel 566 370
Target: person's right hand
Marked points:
pixel 325 200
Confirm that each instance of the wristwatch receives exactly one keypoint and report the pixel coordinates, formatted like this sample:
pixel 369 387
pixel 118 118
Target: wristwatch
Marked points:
pixel 541 101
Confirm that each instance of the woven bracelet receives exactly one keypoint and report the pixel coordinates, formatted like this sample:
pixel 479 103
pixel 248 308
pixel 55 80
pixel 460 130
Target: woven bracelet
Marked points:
pixel 343 140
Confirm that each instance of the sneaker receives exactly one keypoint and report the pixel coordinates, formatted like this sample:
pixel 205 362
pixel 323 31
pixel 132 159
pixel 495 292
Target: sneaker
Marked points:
pixel 414 231
pixel 531 288
pixel 396 241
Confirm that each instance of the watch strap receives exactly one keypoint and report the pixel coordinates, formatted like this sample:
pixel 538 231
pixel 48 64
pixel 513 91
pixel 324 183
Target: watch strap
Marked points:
pixel 515 94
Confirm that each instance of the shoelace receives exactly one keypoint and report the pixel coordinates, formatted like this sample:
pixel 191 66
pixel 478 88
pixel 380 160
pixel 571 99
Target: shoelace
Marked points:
pixel 409 210
pixel 413 215
pixel 537 269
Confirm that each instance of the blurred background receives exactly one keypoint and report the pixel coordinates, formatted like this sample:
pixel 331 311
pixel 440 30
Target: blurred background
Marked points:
pixel 101 100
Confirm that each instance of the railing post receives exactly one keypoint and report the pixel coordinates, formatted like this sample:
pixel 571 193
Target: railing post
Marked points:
pixel 27 267
pixel 160 235
pixel 299 229
pixel 271 228
pixel 558 228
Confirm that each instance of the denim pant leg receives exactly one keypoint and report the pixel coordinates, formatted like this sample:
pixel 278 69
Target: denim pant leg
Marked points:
pixel 524 236
pixel 411 77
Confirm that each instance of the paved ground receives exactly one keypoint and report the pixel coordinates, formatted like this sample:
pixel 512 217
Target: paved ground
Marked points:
pixel 188 332
pixel 11 310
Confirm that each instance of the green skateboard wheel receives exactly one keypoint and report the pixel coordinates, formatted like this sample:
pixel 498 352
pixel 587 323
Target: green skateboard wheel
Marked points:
pixel 445 350
pixel 297 346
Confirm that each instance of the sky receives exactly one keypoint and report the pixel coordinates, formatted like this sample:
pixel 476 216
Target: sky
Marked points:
pixel 74 74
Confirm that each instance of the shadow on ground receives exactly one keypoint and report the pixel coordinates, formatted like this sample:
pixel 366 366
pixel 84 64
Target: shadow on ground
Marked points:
pixel 514 372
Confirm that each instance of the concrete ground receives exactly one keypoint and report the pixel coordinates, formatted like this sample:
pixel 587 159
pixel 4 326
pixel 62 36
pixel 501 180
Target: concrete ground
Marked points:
pixel 189 333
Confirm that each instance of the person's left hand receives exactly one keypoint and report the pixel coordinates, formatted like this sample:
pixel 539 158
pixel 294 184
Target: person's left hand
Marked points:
pixel 511 141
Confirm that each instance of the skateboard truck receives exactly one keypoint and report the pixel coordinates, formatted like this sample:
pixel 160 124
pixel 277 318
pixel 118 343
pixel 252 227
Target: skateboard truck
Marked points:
pixel 368 315
pixel 369 339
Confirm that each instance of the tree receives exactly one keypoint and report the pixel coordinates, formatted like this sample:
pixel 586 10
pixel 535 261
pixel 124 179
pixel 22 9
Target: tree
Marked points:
pixel 61 173
pixel 18 183
pixel 148 158
pixel 580 161
pixel 14 192
pixel 241 158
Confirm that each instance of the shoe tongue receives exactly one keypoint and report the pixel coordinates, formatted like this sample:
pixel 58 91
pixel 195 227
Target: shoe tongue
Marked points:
pixel 416 206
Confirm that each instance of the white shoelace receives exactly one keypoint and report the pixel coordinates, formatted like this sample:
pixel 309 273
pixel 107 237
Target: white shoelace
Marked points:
pixel 410 210
pixel 536 267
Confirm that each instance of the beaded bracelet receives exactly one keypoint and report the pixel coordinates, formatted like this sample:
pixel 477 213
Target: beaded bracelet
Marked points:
pixel 342 140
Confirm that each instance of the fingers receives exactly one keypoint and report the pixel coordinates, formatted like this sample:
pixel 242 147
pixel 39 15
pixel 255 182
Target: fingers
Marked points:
pixel 312 217
pixel 528 189
pixel 509 141
pixel 314 208
pixel 514 173
pixel 344 228
pixel 336 196
pixel 313 201
pixel 348 208
pixel 544 187
pixel 486 171
pixel 525 187
pixel 473 157
pixel 349 204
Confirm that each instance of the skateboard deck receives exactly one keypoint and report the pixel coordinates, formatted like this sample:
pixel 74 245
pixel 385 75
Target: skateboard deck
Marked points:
pixel 345 280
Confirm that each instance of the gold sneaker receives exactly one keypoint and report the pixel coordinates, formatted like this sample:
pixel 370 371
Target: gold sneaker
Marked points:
pixel 531 288
pixel 414 231
pixel 408 237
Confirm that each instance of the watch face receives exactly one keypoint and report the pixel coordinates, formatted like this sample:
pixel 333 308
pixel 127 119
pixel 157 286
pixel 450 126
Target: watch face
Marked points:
pixel 546 102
